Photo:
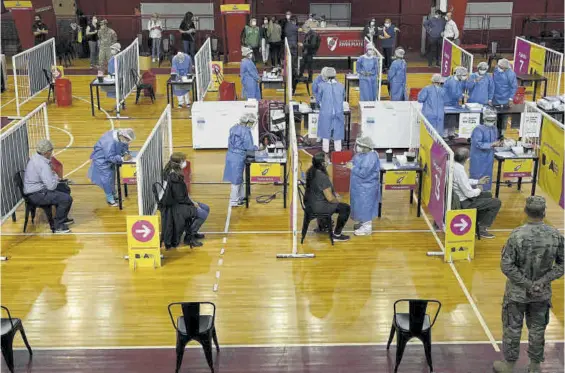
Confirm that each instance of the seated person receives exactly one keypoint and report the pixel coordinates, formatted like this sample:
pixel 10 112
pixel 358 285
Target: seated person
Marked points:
pixel 181 66
pixel 320 197
pixel 474 198
pixel 179 212
pixel 43 187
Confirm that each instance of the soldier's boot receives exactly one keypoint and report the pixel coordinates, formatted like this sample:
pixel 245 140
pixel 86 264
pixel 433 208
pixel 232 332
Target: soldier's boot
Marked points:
pixel 534 367
pixel 503 366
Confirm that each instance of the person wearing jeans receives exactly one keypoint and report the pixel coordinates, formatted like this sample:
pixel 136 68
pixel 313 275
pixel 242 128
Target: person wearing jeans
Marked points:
pixel 188 33
pixel 92 37
pixel 321 198
pixel 155 30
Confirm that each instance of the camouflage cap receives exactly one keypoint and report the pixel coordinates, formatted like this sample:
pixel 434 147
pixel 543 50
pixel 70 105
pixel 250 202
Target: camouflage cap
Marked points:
pixel 535 203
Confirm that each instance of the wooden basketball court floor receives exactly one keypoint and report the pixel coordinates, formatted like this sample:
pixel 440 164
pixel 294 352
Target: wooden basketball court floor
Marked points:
pixel 76 291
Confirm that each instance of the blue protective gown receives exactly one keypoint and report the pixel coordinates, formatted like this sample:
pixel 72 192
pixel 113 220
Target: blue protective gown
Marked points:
pixel 107 153
pixel 367 68
pixel 111 90
pixel 316 87
pixel 480 92
pixel 505 86
pixel 182 69
pixel 432 98
pixel 365 188
pixel 397 80
pixel 331 111
pixel 482 153
pixel 239 142
pixel 249 80
pixel 453 91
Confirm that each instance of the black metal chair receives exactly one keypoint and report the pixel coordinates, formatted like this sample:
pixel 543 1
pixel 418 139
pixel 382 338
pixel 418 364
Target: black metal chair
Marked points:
pixel 51 82
pixel 140 86
pixel 192 325
pixel 309 215
pixel 10 327
pixel 30 207
pixel 415 324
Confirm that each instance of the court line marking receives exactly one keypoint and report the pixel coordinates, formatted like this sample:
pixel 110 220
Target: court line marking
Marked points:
pixel 464 288
pixel 223 250
pixel 8 103
pixel 271 345
pixel 402 231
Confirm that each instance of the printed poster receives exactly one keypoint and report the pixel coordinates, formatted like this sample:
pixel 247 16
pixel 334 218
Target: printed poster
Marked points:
pixel 521 57
pixel 446 59
pixel 537 59
pixel 426 142
pixel 550 177
pixel 438 170
pixel 467 123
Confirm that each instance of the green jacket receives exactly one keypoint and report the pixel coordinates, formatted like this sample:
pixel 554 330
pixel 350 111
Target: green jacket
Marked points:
pixel 251 36
pixel 274 32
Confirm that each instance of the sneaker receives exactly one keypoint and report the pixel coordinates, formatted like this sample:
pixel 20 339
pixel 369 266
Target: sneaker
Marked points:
pixel 153 60
pixel 191 241
pixel 62 230
pixel 362 232
pixel 112 203
pixel 483 233
pixel 69 221
pixel 341 237
pixel 199 236
pixel 179 106
pixel 237 204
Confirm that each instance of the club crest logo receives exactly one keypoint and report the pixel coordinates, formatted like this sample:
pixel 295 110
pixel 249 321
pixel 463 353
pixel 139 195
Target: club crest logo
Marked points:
pixel 332 43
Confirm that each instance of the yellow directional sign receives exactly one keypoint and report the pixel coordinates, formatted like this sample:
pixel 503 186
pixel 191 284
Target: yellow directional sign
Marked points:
pixel 460 234
pixel 143 241
pixel 265 172
pixel 400 180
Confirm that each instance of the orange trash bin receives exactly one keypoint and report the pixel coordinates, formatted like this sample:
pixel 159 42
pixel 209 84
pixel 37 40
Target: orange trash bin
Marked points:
pixel 63 92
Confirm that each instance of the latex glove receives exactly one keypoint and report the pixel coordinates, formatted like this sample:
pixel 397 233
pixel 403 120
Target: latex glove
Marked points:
pixel 396 29
pixel 349 165
pixel 489 102
pixel 127 157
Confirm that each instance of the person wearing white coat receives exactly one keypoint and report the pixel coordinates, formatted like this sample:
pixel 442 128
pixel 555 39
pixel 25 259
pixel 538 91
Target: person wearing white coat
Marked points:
pixel 155 27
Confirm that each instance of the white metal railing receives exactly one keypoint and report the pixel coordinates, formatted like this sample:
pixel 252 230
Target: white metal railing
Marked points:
pixel 203 69
pixel 127 73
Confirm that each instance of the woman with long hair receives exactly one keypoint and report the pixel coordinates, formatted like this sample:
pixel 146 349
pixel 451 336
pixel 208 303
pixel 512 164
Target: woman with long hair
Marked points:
pixel 179 212
pixel 321 198
pixel 188 34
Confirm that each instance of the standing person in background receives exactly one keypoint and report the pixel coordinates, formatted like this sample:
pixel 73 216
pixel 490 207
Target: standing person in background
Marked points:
pixel 317 84
pixel 251 38
pixel 432 97
pixel 274 35
pixel 40 30
pixel 311 22
pixel 397 77
pixel 323 21
pixel 249 75
pixel 370 31
pixel 155 27
pixel 365 190
pixel 265 47
pixel 291 33
pixel 532 259
pixel 454 87
pixel 92 37
pixel 434 29
pixel 451 31
pixel 481 86
pixel 284 21
pixel 188 34
pixel 83 22
pixel 239 142
pixel 505 83
pixel 367 69
pixel 387 35
pixel 310 47
pixel 484 139
pixel 331 120
pixel 111 150
pixel 106 38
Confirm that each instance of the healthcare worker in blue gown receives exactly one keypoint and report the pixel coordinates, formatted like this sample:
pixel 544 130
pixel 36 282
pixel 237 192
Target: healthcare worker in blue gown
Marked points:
pixel 432 98
pixel 365 188
pixel 480 86
pixel 505 84
pixel 331 121
pixel 112 149
pixel 316 85
pixel 483 140
pixel 368 69
pixel 249 75
pixel 397 76
pixel 239 142
pixel 454 87
pixel 111 90
pixel 181 66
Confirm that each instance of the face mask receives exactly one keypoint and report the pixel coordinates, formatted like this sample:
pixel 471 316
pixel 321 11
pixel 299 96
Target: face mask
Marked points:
pixel 489 124
pixel 372 23
pixel 387 24
pixel 482 72
pixel 113 51
pixel 288 16
pixel 253 23
pixel 463 78
pixel 446 18
pixel 371 53
pixel 266 21
pixel 183 165
pixel 358 149
pixel 436 16
pixel 94 21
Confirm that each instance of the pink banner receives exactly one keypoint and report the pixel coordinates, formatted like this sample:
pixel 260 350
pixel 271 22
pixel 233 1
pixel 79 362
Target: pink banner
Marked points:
pixel 446 60
pixel 521 57
pixel 438 169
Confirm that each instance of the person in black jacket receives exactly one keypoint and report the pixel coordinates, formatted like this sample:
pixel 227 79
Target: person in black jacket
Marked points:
pixel 310 47
pixel 179 213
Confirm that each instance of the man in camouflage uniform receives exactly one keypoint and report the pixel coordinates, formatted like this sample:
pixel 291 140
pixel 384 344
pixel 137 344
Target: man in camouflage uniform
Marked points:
pixel 531 259
pixel 106 37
